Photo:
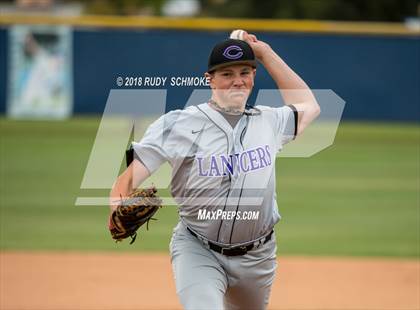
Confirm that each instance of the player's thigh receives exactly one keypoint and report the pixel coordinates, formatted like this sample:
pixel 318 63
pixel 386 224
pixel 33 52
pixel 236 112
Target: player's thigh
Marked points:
pixel 251 278
pixel 200 280
pixel 247 297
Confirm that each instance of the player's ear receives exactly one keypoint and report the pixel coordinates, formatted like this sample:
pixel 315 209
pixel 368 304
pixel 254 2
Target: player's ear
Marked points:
pixel 254 73
pixel 209 77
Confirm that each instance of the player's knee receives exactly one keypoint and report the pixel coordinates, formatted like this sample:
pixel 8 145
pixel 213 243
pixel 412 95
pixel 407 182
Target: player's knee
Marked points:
pixel 201 297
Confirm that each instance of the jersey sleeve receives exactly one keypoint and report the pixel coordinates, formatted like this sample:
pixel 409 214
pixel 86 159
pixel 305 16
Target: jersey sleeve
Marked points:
pixel 150 150
pixel 287 120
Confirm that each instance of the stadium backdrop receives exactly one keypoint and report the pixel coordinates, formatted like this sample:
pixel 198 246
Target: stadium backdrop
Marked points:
pixel 374 67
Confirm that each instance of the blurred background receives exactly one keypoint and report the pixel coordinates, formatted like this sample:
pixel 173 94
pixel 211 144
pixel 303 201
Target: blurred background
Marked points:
pixel 371 61
pixel 59 62
pixel 351 10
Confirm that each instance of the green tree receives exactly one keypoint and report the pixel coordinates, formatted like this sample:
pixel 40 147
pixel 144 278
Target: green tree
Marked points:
pixel 124 7
pixel 350 10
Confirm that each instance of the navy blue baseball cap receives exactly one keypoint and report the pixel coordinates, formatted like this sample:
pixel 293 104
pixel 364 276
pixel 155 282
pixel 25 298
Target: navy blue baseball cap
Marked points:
pixel 231 52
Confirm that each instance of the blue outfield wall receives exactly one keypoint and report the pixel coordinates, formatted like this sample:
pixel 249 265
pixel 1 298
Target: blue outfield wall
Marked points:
pixel 377 75
pixel 3 69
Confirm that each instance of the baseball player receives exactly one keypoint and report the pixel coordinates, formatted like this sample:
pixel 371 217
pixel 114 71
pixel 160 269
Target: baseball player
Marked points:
pixel 223 153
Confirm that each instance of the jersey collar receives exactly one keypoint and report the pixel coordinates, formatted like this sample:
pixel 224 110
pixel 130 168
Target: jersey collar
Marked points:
pixel 217 118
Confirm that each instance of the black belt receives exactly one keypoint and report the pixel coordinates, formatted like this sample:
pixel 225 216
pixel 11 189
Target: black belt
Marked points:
pixel 235 251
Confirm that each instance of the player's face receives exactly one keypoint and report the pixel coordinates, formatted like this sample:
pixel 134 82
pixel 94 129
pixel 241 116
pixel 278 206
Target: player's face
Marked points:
pixel 232 85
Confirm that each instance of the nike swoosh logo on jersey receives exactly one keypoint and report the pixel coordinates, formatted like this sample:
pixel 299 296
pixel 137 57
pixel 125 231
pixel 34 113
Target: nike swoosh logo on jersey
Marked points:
pixel 196 131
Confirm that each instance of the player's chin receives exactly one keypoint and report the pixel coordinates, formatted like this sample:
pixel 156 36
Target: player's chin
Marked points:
pixel 238 97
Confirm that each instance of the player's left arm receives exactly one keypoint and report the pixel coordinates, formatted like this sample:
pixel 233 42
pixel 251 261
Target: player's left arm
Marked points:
pixel 293 89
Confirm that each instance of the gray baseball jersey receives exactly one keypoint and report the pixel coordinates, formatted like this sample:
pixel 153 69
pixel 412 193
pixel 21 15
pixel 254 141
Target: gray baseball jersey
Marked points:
pixel 220 172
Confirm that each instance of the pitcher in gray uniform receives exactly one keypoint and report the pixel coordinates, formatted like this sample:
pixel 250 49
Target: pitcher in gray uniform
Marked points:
pixel 222 154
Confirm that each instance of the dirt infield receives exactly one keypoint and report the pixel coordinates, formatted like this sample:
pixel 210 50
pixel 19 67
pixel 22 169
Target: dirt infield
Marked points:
pixel 144 281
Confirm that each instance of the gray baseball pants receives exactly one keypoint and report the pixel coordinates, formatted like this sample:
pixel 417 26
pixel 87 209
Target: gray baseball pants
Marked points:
pixel 208 280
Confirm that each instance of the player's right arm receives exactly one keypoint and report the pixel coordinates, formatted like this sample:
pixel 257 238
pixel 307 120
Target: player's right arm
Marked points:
pixel 293 88
pixel 135 174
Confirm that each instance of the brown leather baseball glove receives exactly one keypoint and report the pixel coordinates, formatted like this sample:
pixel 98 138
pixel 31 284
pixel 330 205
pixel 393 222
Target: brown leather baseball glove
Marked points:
pixel 133 212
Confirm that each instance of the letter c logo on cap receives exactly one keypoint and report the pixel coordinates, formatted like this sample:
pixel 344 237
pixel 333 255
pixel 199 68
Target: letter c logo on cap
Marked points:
pixel 233 52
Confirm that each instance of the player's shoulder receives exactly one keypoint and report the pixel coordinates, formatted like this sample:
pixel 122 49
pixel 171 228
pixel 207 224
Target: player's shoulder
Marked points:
pixel 264 108
pixel 183 113
pixel 273 114
pixel 266 112
pixel 181 116
pixel 268 109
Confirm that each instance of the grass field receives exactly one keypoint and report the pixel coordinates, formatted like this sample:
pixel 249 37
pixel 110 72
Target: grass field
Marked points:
pixel 359 197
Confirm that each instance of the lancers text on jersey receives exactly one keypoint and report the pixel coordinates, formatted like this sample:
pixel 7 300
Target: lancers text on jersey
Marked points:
pixel 246 161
